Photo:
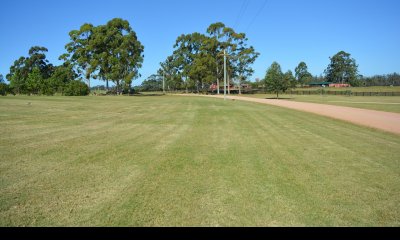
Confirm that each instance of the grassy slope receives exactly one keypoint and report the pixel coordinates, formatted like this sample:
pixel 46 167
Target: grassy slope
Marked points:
pixel 176 161
pixel 380 103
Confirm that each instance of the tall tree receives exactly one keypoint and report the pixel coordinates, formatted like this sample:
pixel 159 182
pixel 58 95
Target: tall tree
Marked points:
pixel 108 52
pixel 22 67
pixel 245 58
pixel 302 74
pixel 170 70
pixel 187 47
pixel 290 79
pixel 152 83
pixel 80 51
pixel 117 52
pixel 62 75
pixel 274 79
pixel 342 68
pixel 197 57
pixel 34 81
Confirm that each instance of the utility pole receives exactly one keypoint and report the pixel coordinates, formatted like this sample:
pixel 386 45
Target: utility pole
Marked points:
pixel 163 82
pixel 224 75
pixel 217 79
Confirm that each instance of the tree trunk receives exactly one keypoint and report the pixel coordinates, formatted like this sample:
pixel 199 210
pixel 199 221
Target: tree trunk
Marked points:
pixel 228 82
pixel 277 96
pixel 240 92
pixel 88 81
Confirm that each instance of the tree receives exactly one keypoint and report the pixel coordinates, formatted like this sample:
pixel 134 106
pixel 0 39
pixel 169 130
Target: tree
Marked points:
pixel 342 69
pixel 302 74
pixel 274 79
pixel 34 81
pixel 62 75
pixel 152 83
pixel 290 79
pixel 22 67
pixel 108 52
pixel 118 54
pixel 80 51
pixel 246 57
pixel 76 88
pixel 3 86
pixel 197 57
pixel 171 72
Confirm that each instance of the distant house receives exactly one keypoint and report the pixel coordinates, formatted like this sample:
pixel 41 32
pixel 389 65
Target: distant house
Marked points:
pixel 233 88
pixel 327 84
pixel 319 84
pixel 339 85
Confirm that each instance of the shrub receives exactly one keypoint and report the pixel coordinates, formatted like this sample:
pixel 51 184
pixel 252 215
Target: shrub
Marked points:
pixel 4 89
pixel 76 88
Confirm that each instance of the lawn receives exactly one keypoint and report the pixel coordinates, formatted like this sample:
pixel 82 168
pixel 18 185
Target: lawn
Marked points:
pixel 190 161
pixel 355 89
pixel 380 103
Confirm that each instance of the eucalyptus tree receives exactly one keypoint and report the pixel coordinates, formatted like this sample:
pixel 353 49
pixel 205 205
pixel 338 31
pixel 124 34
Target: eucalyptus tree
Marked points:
pixel 197 57
pixel 80 51
pixel 302 74
pixel 118 54
pixel 170 70
pixel 290 79
pixel 108 52
pixel 245 58
pixel 216 31
pixel 342 68
pixel 186 49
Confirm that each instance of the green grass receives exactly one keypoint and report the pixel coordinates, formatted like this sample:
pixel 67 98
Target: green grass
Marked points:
pixel 190 161
pixel 380 103
pixel 355 89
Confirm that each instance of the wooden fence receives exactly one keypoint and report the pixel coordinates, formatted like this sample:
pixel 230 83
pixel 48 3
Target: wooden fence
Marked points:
pixel 342 93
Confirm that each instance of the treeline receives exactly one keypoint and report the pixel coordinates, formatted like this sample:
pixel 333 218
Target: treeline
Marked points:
pixel 198 60
pixel 381 80
pixel 109 52
pixel 35 75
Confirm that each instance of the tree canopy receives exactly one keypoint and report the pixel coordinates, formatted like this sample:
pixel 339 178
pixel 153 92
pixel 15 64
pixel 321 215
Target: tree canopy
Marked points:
pixel 20 70
pixel 198 62
pixel 107 52
pixel 274 79
pixel 342 69
pixel 302 74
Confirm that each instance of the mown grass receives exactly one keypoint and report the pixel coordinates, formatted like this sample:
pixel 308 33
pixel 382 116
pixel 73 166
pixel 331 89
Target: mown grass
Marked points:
pixel 355 89
pixel 188 161
pixel 379 103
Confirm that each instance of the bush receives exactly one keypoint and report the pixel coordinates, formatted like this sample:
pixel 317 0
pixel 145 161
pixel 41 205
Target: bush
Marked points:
pixel 76 88
pixel 128 90
pixel 4 89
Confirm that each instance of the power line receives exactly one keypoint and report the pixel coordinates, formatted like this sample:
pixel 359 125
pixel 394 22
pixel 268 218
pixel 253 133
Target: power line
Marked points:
pixel 255 16
pixel 241 13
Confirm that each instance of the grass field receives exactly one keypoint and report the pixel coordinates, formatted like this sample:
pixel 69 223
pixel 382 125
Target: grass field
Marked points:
pixel 355 89
pixel 380 103
pixel 188 161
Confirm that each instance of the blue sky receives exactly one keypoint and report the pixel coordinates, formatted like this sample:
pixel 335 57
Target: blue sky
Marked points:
pixel 286 31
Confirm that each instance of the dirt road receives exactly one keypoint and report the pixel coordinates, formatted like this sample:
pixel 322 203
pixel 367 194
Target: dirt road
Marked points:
pixel 386 121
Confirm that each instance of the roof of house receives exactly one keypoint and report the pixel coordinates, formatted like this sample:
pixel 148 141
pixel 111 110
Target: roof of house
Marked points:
pixel 319 83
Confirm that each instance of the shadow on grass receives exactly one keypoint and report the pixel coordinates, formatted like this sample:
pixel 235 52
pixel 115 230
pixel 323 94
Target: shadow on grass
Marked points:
pixel 279 98
pixel 147 94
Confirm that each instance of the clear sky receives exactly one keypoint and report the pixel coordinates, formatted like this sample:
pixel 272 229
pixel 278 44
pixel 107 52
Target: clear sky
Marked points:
pixel 286 31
